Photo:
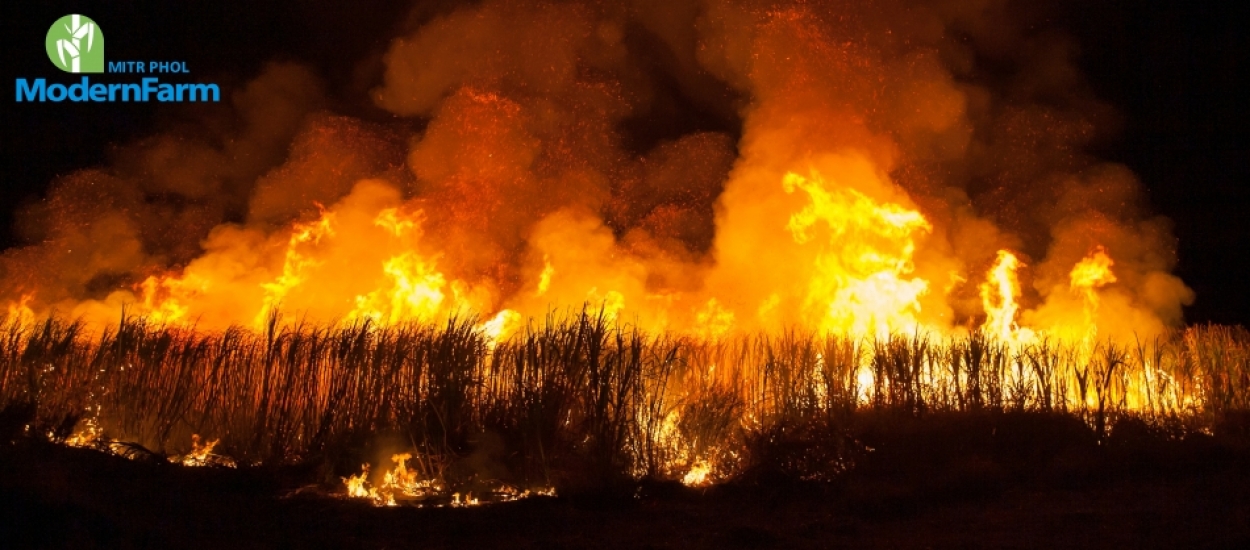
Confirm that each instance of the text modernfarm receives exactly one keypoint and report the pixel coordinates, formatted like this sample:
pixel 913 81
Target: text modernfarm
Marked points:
pixel 39 90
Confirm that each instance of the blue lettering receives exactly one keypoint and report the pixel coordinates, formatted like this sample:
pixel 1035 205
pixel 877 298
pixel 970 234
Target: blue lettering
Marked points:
pixel 200 92
pixel 127 91
pixel 27 91
pixel 149 86
pixel 57 92
pixel 39 90
pixel 78 92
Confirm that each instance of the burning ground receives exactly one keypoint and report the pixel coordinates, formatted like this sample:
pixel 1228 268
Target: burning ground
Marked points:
pixel 966 481
pixel 572 247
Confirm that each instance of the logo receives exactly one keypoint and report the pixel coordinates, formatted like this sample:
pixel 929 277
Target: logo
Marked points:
pixel 75 44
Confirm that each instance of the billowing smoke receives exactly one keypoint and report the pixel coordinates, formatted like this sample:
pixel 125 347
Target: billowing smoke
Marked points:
pixel 700 166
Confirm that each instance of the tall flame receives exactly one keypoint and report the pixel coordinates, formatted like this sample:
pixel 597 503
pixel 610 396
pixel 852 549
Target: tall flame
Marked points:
pixel 296 263
pixel 1088 276
pixel 999 298
pixel 861 284
pixel 19 310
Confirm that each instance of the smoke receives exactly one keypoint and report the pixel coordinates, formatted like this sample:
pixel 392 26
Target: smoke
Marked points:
pixel 101 229
pixel 754 165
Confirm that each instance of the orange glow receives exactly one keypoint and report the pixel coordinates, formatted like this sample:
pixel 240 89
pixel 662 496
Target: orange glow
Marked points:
pixel 405 484
pixel 202 454
pixel 1088 276
pixel 851 270
pixel 19 311
pixel 544 279
pixel 714 320
pixel 999 297
pixel 415 292
pixel 296 263
pixel 863 264
pixel 165 296
pixel 501 325
pixel 1092 272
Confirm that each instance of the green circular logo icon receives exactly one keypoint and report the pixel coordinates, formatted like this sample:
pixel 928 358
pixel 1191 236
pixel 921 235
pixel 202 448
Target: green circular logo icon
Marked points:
pixel 75 44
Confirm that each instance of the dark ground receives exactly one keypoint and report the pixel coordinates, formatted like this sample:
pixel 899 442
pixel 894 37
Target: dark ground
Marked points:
pixel 995 481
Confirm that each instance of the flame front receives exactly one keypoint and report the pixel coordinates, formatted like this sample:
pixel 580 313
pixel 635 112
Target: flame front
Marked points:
pixel 861 283
pixel 848 202
pixel 1088 276
pixel 296 262
pixel 850 267
pixel 999 297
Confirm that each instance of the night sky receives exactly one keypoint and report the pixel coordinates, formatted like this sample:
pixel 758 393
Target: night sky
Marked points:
pixel 1177 72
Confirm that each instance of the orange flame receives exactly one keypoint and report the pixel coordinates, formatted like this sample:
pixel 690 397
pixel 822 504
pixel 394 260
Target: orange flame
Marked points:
pixel 1090 274
pixel 999 297
pixel 19 311
pixel 296 263
pixel 862 284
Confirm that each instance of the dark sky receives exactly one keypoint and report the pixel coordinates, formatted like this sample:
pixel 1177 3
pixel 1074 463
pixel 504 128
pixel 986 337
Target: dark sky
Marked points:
pixel 1177 71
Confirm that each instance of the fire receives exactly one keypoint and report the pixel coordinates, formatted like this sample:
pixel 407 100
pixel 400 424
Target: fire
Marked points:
pixel 19 311
pixel 698 474
pixel 609 303
pixel 407 485
pixel 165 298
pixel 415 289
pixel 405 482
pixel 357 486
pixel 90 433
pixel 202 454
pixel 391 220
pixel 544 279
pixel 681 460
pixel 415 292
pixel 87 435
pixel 849 267
pixel 862 282
pixel 296 263
pixel 501 325
pixel 714 320
pixel 999 297
pixel 1090 274
pixel 399 484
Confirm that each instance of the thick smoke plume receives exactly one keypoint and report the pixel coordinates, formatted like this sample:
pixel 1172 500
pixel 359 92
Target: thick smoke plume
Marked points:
pixel 699 166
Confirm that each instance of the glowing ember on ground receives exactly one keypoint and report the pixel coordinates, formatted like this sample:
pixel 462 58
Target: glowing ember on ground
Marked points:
pixel 87 436
pixel 698 475
pixel 202 454
pixel 403 485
